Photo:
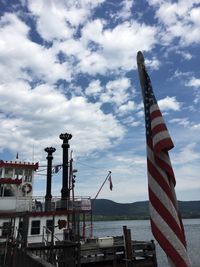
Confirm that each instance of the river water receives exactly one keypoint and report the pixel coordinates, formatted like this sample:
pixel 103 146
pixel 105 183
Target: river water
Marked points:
pixel 141 230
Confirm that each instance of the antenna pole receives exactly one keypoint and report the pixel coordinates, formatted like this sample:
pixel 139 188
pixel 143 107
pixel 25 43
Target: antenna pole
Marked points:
pixel 109 173
pixel 33 153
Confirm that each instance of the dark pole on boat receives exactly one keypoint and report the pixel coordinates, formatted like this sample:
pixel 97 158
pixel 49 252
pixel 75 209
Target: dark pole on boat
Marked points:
pixel 93 201
pixel 65 191
pixel 48 197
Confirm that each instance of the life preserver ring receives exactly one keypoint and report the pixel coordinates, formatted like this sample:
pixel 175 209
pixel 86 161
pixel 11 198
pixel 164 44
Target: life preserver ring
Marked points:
pixel 26 188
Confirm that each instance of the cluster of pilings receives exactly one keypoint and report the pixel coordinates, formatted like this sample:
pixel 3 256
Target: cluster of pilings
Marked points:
pixel 65 190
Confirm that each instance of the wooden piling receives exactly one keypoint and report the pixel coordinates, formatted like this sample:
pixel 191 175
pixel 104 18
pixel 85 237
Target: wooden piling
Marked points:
pixel 128 247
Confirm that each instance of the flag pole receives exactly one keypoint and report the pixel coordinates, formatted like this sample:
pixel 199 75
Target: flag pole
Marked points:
pixel 141 66
pixel 109 173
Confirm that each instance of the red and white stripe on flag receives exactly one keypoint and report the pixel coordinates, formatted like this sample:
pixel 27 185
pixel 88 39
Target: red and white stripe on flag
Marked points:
pixel 166 222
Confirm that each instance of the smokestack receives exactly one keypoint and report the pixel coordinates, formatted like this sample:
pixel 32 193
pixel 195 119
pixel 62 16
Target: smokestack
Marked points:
pixel 65 191
pixel 48 197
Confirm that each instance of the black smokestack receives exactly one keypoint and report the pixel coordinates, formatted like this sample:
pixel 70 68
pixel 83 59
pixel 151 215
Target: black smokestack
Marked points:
pixel 48 197
pixel 65 191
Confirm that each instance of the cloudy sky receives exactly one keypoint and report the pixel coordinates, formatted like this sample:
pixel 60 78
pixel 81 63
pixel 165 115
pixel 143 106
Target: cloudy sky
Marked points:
pixel 70 66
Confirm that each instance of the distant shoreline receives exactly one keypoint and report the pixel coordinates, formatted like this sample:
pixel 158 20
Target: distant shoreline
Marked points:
pixel 107 218
pixel 108 210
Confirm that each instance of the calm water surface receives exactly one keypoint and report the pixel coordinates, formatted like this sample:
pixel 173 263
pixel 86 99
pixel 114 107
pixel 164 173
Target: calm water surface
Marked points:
pixel 141 230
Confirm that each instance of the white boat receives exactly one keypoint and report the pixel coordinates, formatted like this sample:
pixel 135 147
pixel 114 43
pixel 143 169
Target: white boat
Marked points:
pixel 36 220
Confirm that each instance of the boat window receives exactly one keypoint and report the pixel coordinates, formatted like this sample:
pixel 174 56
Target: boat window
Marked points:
pixel 28 176
pixel 35 227
pixel 7 191
pixel 8 172
pixel 6 229
pixel 18 173
pixel 49 226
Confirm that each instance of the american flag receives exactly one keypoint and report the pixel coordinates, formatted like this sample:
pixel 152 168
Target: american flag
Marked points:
pixel 166 222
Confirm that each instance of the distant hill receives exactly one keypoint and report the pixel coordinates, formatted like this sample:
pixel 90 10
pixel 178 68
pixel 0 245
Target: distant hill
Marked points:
pixel 104 209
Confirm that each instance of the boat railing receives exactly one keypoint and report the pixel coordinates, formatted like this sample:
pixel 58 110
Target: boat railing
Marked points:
pixel 78 203
pixel 48 236
pixel 18 204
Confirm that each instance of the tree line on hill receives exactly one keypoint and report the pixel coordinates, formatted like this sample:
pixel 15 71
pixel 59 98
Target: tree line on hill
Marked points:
pixel 104 209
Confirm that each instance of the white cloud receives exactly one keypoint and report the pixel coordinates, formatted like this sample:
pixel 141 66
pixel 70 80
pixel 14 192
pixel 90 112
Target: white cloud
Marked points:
pixel 129 106
pixel 62 18
pixel 99 49
pixel 117 47
pixel 187 182
pixel 184 54
pixel 23 59
pixel 122 84
pixel 93 63
pixel 169 103
pixel 116 92
pixel 49 22
pixel 154 63
pixel 186 167
pixel 193 82
pixel 196 126
pixel 131 121
pixel 181 121
pixel 181 74
pixel 94 88
pixel 125 12
pixel 187 154
pixel 180 19
pixel 190 81
pixel 38 116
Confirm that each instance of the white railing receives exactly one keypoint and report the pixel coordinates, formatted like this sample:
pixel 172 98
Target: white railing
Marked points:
pixel 15 204
pixel 79 203
pixel 19 204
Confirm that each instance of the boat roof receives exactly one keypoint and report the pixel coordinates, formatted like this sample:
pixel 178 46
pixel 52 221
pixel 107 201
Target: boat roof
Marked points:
pixel 19 164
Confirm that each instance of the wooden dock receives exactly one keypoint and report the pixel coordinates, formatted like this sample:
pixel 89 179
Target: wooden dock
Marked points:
pixel 143 254
pixel 71 254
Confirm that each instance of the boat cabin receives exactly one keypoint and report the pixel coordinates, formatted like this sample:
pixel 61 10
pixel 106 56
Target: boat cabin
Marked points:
pixel 16 183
